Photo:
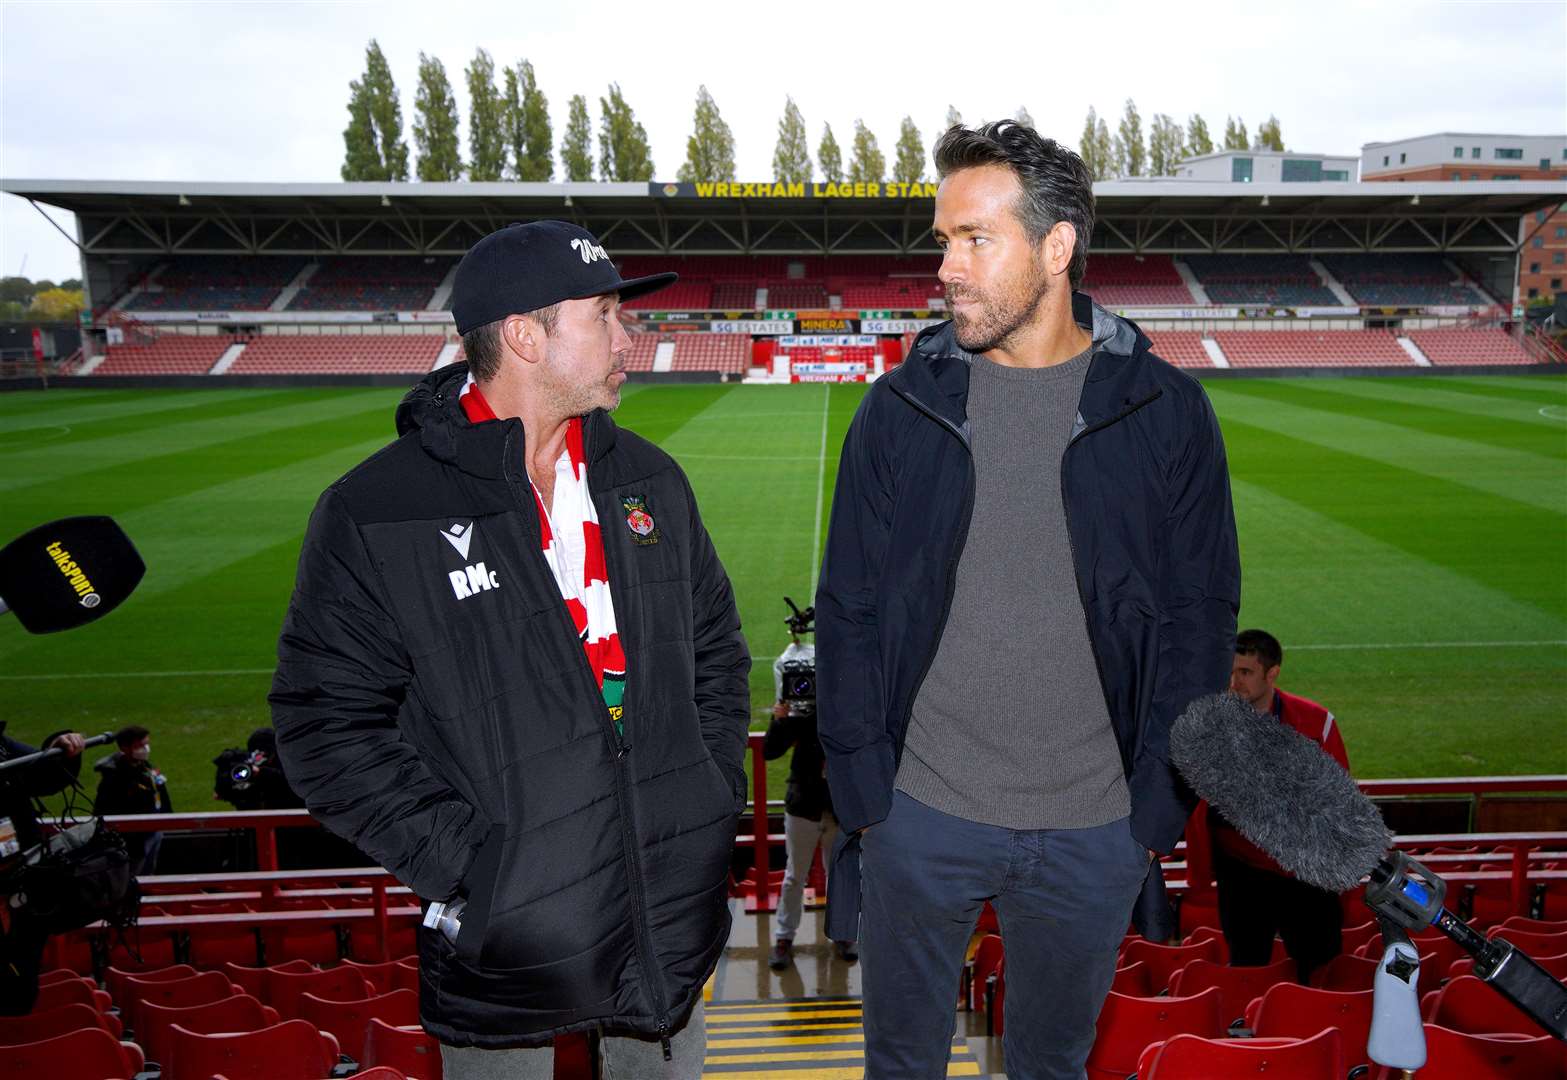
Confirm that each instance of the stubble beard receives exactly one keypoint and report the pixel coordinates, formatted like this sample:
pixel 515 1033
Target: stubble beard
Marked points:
pixel 998 316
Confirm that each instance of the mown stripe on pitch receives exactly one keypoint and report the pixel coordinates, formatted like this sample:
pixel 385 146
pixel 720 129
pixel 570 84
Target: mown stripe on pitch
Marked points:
pixel 1529 479
pixel 1395 506
pixel 1442 394
pixel 203 438
pixel 1538 389
pixel 1530 436
pixel 105 408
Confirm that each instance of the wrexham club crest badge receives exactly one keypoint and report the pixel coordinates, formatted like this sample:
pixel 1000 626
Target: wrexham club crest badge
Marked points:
pixel 639 520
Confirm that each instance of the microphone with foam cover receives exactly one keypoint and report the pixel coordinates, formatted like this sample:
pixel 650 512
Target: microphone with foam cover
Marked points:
pixel 1282 791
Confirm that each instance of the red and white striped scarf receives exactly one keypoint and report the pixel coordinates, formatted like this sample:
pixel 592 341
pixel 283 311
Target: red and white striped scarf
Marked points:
pixel 574 549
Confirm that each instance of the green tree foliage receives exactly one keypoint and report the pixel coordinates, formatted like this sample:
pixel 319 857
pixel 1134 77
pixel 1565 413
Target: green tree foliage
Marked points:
pixel 954 118
pixel 909 166
pixel 1131 154
pixel 710 151
pixel 1198 141
pixel 18 290
pixel 536 162
pixel 830 157
pixel 576 145
pixel 1166 145
pixel 1088 147
pixel 373 146
pixel 1269 137
pixel 624 153
pixel 1235 134
pixel 866 164
pixel 792 154
pixel 486 121
pixel 435 123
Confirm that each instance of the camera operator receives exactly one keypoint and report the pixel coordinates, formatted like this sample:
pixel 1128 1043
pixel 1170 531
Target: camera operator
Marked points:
pixel 22 943
pixel 808 816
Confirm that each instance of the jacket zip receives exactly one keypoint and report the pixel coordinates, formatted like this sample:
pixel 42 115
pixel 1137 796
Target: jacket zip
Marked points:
pixel 953 557
pixel 641 932
pixel 1082 599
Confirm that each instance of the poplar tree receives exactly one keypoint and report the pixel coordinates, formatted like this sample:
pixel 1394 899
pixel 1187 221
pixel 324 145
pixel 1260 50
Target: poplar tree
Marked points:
pixel 624 153
pixel 792 155
pixel 576 145
pixel 1131 154
pixel 486 120
pixel 528 125
pixel 909 166
pixel 435 123
pixel 830 157
pixel 710 151
pixel 866 165
pixel 1198 141
pixel 373 146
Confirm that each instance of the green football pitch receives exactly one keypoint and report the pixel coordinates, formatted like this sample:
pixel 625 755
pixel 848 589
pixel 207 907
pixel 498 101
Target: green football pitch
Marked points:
pixel 1405 538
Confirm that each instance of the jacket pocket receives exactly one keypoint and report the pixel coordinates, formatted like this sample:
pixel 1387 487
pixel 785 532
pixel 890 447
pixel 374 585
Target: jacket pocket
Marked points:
pixel 479 887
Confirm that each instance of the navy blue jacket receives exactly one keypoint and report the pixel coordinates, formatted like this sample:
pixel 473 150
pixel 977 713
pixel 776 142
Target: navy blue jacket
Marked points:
pixel 1147 499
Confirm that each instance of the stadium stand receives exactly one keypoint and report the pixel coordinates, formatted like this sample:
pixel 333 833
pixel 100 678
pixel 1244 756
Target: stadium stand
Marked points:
pixel 1183 348
pixel 1237 986
pixel 372 283
pixel 1133 281
pixel 796 295
pixel 1312 348
pixel 218 283
pixel 1464 345
pixel 1284 280
pixel 728 354
pixel 1289 1011
pixel 167 354
pixel 1128 1025
pixel 1400 280
pixel 294 354
pixel 83 1053
pixel 1454 1055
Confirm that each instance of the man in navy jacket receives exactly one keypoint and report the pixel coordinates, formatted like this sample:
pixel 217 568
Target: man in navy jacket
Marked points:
pixel 1031 570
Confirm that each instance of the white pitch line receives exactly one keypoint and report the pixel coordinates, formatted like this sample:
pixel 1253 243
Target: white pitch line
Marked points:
pixel 821 483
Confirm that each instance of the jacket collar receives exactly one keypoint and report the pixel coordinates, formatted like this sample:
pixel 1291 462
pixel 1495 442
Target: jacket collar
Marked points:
pixel 431 408
pixel 1120 375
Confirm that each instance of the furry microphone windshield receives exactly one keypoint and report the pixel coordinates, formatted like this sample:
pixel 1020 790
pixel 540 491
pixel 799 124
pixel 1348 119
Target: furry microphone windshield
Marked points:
pixel 1281 790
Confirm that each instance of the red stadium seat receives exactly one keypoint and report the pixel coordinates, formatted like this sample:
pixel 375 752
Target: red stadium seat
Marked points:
pixel 987 957
pixel 1467 345
pixel 115 978
pixel 348 1020
pixel 253 980
pixel 176 993
pixel 1189 1057
pixel 85 1054
pixel 411 1051
pixel 60 1020
pixel 1454 1055
pixel 283 989
pixel 1163 961
pixel 388 976
pixel 57 975
pixel 1237 986
pixel 292 1050
pixel 1289 1011
pixel 1128 1025
pixel 1468 1005
pixel 1532 926
pixel 380 1072
pixel 1535 944
pixel 1132 980
pixel 67 991
pixel 241 1012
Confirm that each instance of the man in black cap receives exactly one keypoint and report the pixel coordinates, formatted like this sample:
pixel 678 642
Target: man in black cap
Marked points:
pixel 512 672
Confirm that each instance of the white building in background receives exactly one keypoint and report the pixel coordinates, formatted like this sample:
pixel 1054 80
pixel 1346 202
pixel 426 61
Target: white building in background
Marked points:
pixel 1267 167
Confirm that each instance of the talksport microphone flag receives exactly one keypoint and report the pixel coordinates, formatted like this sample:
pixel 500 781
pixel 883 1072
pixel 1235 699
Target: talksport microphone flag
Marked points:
pixel 68 573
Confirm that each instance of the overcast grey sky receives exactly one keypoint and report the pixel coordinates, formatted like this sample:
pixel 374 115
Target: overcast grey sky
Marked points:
pixel 257 91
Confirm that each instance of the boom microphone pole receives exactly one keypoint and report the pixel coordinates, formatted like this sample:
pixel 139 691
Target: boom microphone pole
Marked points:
pixel 1285 795
pixel 52 752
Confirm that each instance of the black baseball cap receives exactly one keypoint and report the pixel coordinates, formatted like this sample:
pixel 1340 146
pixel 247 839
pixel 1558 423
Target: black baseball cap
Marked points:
pixel 531 265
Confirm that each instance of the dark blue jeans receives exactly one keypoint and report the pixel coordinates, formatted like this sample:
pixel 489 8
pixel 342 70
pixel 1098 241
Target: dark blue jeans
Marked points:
pixel 1064 898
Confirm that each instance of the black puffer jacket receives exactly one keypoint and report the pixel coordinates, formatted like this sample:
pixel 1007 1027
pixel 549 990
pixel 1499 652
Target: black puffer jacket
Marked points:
pixel 458 737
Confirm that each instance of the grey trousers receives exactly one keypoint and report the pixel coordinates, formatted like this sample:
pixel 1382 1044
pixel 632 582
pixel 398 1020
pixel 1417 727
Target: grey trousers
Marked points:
pixel 623 1058
pixel 1064 898
pixel 801 837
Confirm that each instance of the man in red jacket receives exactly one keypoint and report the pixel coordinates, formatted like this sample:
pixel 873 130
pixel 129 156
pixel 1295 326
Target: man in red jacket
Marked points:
pixel 1257 897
